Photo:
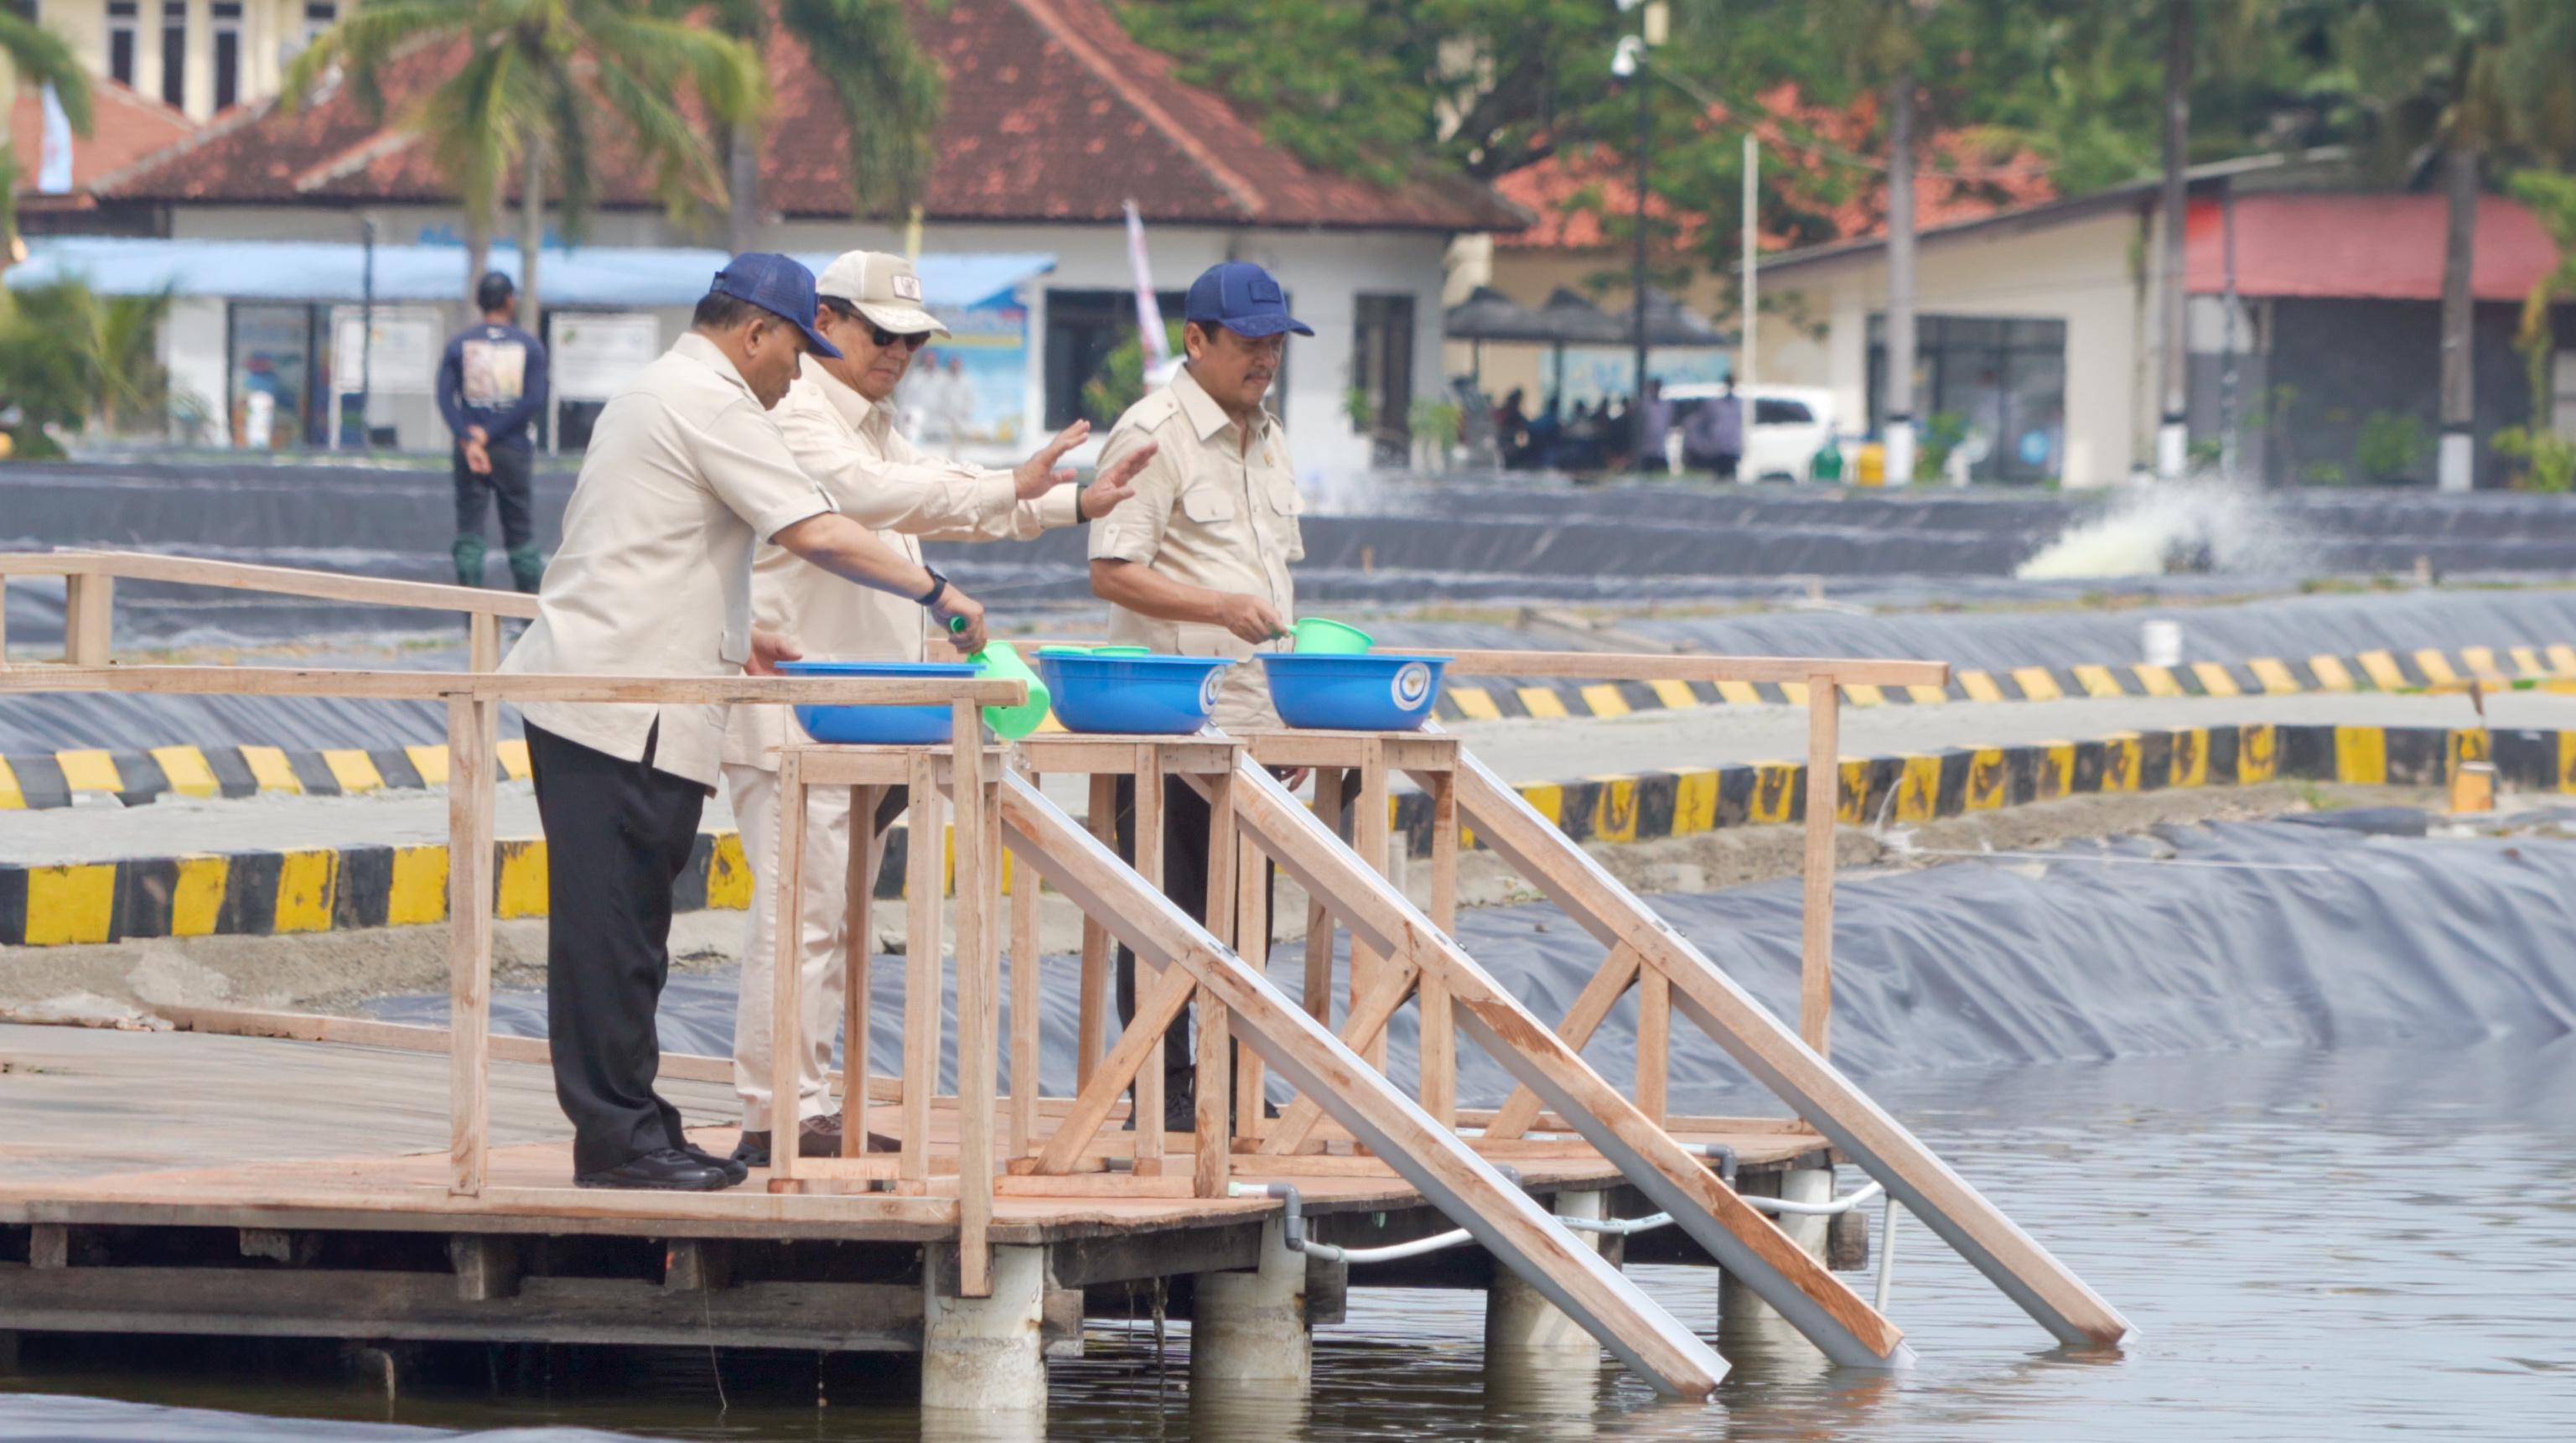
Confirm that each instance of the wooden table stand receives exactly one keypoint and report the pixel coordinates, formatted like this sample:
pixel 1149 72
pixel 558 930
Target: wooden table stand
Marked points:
pixel 1150 762
pixel 1358 768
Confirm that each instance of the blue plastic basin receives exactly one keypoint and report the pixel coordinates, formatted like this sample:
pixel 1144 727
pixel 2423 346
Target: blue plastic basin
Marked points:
pixel 1143 695
pixel 891 726
pixel 1378 692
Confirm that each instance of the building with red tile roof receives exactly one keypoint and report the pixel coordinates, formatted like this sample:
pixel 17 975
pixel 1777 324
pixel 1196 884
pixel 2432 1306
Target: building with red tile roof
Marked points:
pixel 124 128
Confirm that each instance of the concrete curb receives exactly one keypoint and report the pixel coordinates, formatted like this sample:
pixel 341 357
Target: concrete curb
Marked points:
pixel 263 893
pixel 52 779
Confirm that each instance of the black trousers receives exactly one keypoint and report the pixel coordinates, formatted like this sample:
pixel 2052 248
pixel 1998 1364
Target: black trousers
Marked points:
pixel 1186 824
pixel 618 835
pixel 505 485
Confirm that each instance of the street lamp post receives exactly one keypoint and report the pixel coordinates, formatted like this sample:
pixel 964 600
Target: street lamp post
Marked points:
pixel 1628 63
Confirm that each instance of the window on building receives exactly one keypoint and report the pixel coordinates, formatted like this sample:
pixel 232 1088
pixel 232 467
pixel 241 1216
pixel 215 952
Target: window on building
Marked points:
pixel 1382 373
pixel 1084 329
pixel 228 34
pixel 1994 387
pixel 271 355
pixel 124 19
pixel 319 15
pixel 174 53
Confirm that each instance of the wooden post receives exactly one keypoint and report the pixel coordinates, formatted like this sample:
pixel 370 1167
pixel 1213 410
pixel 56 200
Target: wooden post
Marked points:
pixel 1209 1129
pixel 858 965
pixel 921 971
pixel 1148 1114
pixel 1252 943
pixel 978 906
pixel 89 613
pixel 1824 789
pixel 1369 838
pixel 1092 1023
pixel 1319 919
pixel 1439 1046
pixel 1654 1042
pixel 787 972
pixel 1026 1002
pixel 470 744
pixel 482 640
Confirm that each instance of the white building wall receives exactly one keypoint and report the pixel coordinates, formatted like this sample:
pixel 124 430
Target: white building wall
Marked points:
pixel 1323 272
pixel 2084 272
pixel 192 351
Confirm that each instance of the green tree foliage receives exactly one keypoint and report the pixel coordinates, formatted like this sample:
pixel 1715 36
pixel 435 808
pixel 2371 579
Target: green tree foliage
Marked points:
pixel 73 359
pixel 546 84
pixel 890 95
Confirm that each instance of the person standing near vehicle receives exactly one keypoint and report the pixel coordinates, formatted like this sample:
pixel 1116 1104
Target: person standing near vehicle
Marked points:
pixel 1714 434
pixel 1197 564
pixel 686 474
pixel 839 419
pixel 491 386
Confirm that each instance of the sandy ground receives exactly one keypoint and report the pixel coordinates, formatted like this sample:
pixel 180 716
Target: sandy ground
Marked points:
pixel 1523 750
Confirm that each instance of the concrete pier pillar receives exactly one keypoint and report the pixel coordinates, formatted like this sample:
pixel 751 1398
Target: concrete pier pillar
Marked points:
pixel 1740 1305
pixel 1525 1331
pixel 1250 1327
pixel 985 1355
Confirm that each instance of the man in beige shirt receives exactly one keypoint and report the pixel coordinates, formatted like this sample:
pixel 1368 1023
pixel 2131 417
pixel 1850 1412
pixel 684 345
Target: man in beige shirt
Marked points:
pixel 685 473
pixel 1197 564
pixel 839 419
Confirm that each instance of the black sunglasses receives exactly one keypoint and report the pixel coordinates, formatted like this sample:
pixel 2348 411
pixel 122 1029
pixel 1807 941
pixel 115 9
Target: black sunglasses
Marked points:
pixel 884 338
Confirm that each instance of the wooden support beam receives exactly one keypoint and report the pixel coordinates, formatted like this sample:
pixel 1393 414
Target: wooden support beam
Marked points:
pixel 1150 1112
pixel 858 963
pixel 1675 1180
pixel 1824 795
pixel 924 881
pixel 1438 1045
pixel 1369 838
pixel 1252 942
pixel 1780 1060
pixel 482 641
pixel 89 619
pixel 1654 1043
pixel 1027 1002
pixel 1329 782
pixel 1210 1160
pixel 979 898
pixel 1158 1005
pixel 1591 1006
pixel 1466 1187
pixel 785 900
pixel 487 1266
pixel 472 768
pixel 1361 1030
pixel 1091 1031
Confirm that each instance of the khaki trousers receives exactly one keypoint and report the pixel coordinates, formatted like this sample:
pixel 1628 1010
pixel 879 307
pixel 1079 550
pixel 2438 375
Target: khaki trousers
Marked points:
pixel 817 951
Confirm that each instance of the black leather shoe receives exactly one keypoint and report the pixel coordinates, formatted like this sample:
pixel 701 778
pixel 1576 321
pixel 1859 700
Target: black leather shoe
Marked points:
pixel 734 1168
pixel 667 1169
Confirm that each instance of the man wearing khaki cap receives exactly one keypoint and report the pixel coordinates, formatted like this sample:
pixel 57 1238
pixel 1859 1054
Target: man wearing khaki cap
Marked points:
pixel 839 421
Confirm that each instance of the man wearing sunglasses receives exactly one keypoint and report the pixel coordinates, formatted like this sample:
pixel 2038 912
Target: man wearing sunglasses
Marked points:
pixel 839 419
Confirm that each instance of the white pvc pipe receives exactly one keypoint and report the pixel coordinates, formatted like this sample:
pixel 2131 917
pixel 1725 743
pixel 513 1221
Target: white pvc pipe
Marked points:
pixel 1886 1255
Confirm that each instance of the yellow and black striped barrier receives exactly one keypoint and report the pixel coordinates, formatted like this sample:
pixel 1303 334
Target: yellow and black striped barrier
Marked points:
pixel 264 893
pixel 55 779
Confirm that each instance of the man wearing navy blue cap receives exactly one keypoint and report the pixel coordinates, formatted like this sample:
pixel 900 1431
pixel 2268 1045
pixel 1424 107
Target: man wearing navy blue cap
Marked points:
pixel 685 475
pixel 1196 563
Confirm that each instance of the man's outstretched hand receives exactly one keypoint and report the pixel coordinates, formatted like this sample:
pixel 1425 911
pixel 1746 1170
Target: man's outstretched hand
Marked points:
pixel 1043 472
pixel 1115 483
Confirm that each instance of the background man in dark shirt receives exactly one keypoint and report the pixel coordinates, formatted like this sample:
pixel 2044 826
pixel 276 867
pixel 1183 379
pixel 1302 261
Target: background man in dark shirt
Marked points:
pixel 491 386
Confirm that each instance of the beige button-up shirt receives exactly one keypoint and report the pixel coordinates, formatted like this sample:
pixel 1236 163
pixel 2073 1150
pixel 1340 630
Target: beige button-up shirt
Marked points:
pixel 1207 512
pixel 848 444
pixel 685 475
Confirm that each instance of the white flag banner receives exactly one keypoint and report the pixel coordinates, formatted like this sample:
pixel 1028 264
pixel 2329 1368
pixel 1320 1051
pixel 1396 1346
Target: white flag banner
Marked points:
pixel 1149 312
pixel 54 160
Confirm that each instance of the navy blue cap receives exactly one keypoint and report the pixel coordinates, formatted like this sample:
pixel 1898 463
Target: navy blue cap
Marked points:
pixel 778 285
pixel 1242 297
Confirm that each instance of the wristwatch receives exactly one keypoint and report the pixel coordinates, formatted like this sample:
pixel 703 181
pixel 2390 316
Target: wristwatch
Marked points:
pixel 938 588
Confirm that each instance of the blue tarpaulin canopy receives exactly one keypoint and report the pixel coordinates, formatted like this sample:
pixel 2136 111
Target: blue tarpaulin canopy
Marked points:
pixel 335 271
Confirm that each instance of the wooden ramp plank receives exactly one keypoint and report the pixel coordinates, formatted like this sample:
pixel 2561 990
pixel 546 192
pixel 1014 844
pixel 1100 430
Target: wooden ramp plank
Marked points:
pixel 1476 1196
pixel 1747 1243
pixel 1776 1057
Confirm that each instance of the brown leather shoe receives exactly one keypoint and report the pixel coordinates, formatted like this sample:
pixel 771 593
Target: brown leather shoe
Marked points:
pixel 815 1137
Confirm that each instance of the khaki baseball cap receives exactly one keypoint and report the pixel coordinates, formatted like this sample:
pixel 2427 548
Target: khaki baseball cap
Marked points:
pixel 884 288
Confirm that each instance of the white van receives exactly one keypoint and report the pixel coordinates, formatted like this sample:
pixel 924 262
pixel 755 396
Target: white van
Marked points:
pixel 1789 425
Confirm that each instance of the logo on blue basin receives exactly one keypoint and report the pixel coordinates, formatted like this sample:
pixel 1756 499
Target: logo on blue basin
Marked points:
pixel 1208 689
pixel 1412 684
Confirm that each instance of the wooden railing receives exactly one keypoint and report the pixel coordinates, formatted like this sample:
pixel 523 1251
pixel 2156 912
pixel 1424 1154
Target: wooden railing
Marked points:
pixel 473 702
pixel 89 595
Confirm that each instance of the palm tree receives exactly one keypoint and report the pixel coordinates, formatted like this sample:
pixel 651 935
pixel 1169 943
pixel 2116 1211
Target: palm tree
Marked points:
pixel 889 93
pixel 32 54
pixel 536 78
pixel 2431 73
pixel 75 356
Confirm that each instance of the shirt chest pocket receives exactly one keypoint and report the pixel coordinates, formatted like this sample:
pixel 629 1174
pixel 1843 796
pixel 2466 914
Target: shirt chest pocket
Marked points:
pixel 1209 507
pixel 1281 507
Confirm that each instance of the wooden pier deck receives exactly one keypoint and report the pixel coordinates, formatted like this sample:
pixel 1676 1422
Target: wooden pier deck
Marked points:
pixel 187 1182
